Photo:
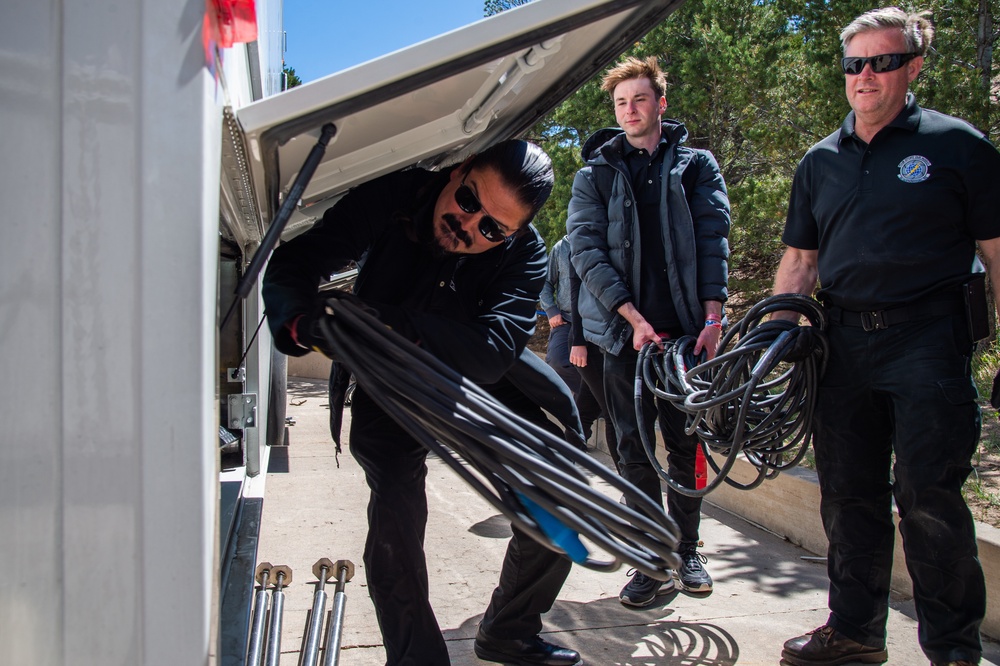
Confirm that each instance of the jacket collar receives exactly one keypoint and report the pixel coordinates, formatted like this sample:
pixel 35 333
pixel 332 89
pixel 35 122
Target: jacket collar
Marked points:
pixel 610 141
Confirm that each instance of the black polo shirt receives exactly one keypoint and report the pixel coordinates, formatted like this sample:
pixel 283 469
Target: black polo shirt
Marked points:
pixel 896 219
pixel 655 300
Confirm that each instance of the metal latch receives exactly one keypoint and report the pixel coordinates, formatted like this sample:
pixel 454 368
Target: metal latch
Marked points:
pixel 243 410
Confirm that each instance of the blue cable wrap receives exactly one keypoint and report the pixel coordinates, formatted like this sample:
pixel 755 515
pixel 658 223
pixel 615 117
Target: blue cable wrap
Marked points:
pixel 560 535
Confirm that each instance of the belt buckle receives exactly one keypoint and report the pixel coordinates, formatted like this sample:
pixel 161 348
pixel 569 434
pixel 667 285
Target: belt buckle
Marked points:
pixel 872 321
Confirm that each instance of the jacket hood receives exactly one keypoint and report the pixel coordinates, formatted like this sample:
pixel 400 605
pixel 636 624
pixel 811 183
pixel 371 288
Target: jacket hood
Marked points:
pixel 608 141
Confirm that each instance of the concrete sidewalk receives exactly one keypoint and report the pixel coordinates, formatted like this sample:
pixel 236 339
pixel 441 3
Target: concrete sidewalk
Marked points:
pixel 766 590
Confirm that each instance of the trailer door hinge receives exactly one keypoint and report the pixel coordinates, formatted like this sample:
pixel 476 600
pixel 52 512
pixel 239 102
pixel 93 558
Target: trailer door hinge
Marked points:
pixel 242 410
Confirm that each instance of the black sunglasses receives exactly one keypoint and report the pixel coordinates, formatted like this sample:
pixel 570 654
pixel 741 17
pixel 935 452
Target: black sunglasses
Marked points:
pixel 887 62
pixel 488 227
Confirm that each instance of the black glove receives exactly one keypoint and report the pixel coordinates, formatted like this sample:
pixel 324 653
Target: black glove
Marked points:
pixel 995 394
pixel 392 316
pixel 309 327
pixel 307 332
pixel 329 300
pixel 809 340
pixel 779 326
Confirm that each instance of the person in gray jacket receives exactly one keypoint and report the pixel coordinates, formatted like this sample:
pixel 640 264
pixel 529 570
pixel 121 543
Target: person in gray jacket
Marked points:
pixel 649 224
pixel 557 301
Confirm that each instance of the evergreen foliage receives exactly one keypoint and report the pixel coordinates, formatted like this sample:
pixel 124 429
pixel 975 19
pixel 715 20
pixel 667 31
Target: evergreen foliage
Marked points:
pixel 757 82
pixel 291 78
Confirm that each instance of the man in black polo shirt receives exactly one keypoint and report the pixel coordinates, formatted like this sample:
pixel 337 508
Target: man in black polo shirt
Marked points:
pixel 886 213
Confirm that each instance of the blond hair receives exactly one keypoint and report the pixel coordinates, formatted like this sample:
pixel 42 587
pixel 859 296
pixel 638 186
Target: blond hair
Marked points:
pixel 634 68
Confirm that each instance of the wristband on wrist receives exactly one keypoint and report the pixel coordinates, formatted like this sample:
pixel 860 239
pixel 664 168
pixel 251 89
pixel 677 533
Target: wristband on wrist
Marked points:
pixel 713 322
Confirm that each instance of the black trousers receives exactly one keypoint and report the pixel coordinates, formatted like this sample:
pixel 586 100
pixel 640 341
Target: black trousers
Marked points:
pixel 557 356
pixel 591 403
pixel 395 566
pixel 633 463
pixel 587 403
pixel 906 392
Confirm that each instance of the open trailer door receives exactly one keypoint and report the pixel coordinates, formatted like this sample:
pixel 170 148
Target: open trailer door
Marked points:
pixel 430 105
pixel 437 101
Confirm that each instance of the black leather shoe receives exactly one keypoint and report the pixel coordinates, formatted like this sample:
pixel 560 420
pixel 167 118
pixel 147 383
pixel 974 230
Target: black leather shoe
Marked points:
pixel 827 647
pixel 524 652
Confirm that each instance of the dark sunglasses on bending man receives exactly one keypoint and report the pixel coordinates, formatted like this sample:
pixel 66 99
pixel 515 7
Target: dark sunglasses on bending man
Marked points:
pixel 887 62
pixel 469 202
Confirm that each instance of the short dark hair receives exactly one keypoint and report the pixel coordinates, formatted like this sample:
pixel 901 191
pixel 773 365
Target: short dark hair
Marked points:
pixel 634 68
pixel 917 29
pixel 523 166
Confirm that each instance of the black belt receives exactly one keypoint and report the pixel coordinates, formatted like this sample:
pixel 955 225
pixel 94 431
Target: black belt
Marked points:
pixel 877 319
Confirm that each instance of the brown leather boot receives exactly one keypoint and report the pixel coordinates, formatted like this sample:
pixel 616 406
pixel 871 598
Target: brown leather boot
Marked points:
pixel 827 647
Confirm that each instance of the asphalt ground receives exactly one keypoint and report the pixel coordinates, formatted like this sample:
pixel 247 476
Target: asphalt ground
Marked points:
pixel 766 589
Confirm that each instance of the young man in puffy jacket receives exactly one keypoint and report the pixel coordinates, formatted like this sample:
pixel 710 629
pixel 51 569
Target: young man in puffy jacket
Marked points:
pixel 648 225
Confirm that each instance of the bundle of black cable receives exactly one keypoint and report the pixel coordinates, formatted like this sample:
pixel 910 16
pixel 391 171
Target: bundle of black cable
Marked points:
pixel 536 479
pixel 755 398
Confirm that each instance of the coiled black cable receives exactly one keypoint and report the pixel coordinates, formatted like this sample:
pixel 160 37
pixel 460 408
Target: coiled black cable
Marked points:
pixel 531 476
pixel 755 398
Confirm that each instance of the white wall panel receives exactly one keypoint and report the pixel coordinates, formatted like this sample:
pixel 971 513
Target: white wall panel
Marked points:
pixel 109 165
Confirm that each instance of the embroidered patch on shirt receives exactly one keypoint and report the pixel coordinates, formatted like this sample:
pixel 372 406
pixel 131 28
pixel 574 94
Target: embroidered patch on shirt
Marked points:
pixel 914 169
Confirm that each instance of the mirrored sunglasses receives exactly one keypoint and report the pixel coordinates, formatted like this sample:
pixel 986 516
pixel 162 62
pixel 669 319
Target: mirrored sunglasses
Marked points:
pixel 887 62
pixel 488 227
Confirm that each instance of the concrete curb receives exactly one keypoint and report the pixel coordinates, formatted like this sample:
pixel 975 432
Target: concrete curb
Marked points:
pixel 788 505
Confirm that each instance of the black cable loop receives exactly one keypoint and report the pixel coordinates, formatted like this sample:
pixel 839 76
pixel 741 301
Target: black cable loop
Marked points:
pixel 749 400
pixel 510 461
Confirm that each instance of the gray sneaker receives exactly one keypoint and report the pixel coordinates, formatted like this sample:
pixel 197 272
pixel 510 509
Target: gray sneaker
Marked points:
pixel 642 590
pixel 692 575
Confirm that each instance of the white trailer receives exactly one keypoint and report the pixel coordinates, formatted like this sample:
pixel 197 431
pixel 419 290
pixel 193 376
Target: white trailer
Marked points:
pixel 137 187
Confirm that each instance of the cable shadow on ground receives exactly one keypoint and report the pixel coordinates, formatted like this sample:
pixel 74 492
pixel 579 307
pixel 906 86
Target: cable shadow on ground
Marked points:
pixel 496 526
pixel 782 573
pixel 606 633
pixel 783 576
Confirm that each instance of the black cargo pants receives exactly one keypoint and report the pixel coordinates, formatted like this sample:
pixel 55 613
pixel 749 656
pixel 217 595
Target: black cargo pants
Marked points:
pixel 905 390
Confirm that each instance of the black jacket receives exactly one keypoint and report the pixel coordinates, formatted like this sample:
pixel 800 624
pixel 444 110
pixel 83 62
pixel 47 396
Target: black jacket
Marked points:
pixel 474 312
pixel 603 229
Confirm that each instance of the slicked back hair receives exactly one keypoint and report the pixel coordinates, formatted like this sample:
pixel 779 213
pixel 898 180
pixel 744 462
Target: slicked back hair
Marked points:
pixel 523 167
pixel 917 29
